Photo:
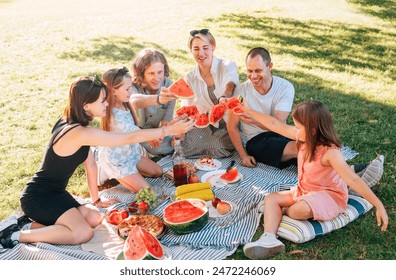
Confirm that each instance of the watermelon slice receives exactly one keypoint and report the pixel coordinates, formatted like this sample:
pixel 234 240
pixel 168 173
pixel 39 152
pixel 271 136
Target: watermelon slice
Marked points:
pixel 134 247
pixel 154 248
pixel 231 176
pixel 181 89
pixel 140 243
pixel 186 216
pixel 234 102
pixel 191 111
pixel 201 120
pixel 217 113
pixel 238 110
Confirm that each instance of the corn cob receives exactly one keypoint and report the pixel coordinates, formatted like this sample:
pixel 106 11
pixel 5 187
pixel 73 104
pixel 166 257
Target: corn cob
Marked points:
pixel 180 190
pixel 205 194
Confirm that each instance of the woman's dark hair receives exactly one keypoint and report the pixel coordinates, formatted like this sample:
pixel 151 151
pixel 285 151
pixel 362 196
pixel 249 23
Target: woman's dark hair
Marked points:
pixel 83 91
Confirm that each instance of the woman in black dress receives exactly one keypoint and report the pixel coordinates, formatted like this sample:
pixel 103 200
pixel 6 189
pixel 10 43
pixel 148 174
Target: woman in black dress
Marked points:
pixel 58 217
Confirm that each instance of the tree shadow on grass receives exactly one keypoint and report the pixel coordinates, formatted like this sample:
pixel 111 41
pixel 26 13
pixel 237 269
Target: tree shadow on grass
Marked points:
pixel 323 45
pixel 118 50
pixel 327 47
pixel 384 9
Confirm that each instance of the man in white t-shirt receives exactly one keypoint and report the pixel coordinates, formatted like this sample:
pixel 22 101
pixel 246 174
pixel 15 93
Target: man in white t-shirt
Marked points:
pixel 270 95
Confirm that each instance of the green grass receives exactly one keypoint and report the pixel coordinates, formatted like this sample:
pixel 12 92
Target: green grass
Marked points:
pixel 339 52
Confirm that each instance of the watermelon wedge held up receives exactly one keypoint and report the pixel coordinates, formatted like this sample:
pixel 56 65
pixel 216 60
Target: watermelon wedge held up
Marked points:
pixel 181 89
pixel 238 110
pixel 217 113
pixel 191 111
pixel 201 120
pixel 234 102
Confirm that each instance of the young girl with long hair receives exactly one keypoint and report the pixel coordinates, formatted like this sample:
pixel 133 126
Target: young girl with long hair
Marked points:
pixel 323 177
pixel 125 163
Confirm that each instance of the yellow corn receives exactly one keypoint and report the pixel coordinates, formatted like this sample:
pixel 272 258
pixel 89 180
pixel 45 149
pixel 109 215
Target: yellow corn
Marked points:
pixel 205 194
pixel 180 190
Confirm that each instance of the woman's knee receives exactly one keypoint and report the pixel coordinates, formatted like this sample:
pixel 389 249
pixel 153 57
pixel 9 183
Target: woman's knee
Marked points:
pixel 94 218
pixel 81 235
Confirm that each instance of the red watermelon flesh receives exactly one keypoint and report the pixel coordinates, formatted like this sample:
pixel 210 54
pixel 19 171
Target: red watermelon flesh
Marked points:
pixel 186 216
pixel 134 247
pixel 201 120
pixel 184 211
pixel 238 111
pixel 181 89
pixel 230 176
pixel 234 102
pixel 217 113
pixel 191 111
pixel 152 244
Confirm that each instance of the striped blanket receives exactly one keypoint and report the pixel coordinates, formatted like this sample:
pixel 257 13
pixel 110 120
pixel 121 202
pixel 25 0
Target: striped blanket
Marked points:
pixel 219 238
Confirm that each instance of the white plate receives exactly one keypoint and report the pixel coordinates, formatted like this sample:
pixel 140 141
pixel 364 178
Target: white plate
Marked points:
pixel 214 178
pixel 213 212
pixel 217 165
pixel 173 196
pixel 167 254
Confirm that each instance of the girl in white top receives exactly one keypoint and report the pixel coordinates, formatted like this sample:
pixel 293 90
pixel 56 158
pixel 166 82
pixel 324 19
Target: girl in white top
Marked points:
pixel 125 163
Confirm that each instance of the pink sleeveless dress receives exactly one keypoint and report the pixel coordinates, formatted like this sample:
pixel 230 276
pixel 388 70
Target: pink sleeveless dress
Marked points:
pixel 320 186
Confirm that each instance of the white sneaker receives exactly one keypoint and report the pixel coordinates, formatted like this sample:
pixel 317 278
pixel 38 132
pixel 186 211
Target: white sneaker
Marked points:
pixel 265 247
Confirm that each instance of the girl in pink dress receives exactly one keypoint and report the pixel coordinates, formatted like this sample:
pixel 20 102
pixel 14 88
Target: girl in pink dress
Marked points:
pixel 323 177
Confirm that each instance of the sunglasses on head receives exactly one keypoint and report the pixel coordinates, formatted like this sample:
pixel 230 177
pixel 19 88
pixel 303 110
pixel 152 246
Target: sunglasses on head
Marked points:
pixel 121 71
pixel 96 81
pixel 202 31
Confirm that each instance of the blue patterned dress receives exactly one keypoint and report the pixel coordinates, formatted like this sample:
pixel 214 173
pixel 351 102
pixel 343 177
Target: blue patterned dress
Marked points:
pixel 120 161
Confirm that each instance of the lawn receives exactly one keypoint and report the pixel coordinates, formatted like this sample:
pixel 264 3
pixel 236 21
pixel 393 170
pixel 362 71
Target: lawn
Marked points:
pixel 340 52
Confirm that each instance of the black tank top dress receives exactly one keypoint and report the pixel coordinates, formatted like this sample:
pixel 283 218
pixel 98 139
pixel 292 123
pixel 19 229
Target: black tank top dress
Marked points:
pixel 44 198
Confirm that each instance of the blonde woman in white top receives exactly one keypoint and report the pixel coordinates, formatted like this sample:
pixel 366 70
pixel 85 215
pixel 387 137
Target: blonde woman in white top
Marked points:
pixel 211 79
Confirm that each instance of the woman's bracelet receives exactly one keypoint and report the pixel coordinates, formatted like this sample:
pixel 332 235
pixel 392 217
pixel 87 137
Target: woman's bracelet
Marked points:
pixel 218 99
pixel 96 202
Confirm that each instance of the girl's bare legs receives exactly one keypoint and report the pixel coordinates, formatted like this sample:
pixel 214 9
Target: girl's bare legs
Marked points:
pixel 73 227
pixel 147 168
pixel 268 245
pixel 273 209
pixel 134 182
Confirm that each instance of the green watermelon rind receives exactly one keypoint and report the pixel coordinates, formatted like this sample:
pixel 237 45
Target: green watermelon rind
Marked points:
pixel 190 226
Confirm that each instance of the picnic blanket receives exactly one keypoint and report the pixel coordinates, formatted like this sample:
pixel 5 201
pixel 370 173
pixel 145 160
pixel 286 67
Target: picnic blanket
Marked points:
pixel 219 238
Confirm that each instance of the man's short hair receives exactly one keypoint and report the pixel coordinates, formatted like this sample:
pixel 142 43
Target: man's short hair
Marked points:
pixel 261 52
